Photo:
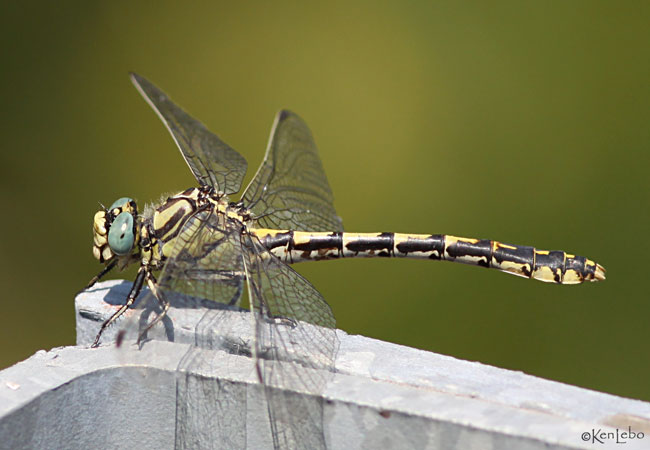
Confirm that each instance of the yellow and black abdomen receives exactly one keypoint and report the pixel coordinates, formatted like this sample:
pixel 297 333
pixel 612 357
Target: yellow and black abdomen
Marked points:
pixel 549 266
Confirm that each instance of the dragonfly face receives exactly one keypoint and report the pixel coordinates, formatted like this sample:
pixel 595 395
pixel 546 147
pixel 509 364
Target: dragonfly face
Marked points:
pixel 116 233
pixel 201 245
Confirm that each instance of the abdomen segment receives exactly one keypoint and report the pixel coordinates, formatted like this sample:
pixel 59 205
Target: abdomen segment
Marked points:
pixel 549 266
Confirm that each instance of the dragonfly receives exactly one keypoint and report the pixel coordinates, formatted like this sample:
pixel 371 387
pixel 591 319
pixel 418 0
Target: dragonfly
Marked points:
pixel 198 243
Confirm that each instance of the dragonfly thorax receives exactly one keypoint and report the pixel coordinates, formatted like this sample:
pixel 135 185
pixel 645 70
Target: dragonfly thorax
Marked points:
pixel 170 218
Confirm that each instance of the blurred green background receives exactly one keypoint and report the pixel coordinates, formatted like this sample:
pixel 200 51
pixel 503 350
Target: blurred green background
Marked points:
pixel 526 122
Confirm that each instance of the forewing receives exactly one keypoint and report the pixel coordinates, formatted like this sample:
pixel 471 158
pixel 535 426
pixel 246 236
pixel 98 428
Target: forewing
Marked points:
pixel 205 262
pixel 211 160
pixel 290 189
pixel 295 346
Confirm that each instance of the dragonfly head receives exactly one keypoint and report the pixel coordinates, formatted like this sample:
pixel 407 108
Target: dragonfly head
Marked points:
pixel 116 232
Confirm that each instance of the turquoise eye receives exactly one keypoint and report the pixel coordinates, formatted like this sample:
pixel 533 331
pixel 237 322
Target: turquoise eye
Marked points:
pixel 119 202
pixel 120 235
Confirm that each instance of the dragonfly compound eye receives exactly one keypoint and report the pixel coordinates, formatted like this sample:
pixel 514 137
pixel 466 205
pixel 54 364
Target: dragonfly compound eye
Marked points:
pixel 120 235
pixel 120 202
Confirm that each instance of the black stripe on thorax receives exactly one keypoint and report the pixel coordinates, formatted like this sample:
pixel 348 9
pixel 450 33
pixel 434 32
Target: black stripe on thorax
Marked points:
pixel 173 220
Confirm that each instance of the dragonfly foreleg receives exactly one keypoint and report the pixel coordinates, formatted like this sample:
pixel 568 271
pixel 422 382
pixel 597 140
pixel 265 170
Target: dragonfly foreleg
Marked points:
pixel 135 290
pixel 99 276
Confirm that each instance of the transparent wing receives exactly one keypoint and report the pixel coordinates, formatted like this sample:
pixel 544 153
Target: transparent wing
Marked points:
pixel 205 262
pixel 290 189
pixel 295 346
pixel 292 338
pixel 211 160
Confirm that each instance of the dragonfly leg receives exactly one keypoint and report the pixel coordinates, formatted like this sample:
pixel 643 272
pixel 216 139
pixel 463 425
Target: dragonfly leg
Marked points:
pixel 164 303
pixel 135 290
pixel 237 280
pixel 277 319
pixel 273 319
pixel 99 276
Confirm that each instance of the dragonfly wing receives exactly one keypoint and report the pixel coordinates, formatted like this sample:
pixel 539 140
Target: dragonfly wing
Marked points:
pixel 295 346
pixel 212 161
pixel 293 337
pixel 206 264
pixel 205 261
pixel 290 189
